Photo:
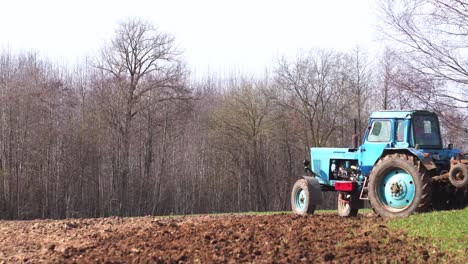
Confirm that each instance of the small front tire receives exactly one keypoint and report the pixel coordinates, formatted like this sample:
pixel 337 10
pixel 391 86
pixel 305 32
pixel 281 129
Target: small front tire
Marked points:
pixel 300 198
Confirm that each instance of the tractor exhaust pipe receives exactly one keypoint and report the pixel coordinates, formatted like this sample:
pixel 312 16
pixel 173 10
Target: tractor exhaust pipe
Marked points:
pixel 355 136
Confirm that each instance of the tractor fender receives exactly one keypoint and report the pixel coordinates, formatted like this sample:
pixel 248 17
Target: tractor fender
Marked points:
pixel 426 162
pixel 315 192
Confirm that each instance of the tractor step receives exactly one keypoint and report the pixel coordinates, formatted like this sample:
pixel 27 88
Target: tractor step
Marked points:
pixel 365 190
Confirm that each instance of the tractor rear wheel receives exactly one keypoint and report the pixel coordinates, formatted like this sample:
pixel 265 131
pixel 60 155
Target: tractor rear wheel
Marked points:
pixel 399 187
pixel 345 201
pixel 300 198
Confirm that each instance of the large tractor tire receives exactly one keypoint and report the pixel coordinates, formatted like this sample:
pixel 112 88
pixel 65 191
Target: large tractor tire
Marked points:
pixel 345 205
pixel 301 198
pixel 398 186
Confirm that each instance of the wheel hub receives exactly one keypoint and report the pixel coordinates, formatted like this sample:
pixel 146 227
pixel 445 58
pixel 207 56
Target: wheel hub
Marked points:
pixel 301 199
pixel 397 190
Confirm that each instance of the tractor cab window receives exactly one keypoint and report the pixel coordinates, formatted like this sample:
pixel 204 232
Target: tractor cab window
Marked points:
pixel 426 131
pixel 380 131
pixel 400 131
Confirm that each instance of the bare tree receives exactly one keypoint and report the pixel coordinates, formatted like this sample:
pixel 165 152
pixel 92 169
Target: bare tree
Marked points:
pixel 359 79
pixel 389 92
pixel 243 122
pixel 313 86
pixel 140 64
pixel 432 35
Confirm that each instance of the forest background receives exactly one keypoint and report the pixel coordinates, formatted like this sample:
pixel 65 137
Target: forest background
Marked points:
pixel 131 132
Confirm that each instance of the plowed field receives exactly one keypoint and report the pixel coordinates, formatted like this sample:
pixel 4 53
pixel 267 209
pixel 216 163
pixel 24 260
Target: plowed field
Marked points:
pixel 281 238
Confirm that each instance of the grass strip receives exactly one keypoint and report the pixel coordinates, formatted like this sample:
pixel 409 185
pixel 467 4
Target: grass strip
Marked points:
pixel 447 230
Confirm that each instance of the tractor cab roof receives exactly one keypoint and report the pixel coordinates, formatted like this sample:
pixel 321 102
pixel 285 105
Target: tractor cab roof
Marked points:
pixel 398 114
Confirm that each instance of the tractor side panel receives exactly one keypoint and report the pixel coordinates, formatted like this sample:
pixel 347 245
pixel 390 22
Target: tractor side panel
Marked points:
pixel 369 154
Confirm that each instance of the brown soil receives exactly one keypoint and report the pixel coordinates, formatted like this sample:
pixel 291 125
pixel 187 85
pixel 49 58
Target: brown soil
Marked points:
pixel 281 238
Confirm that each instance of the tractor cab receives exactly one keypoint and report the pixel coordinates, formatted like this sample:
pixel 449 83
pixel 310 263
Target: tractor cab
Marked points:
pixel 405 129
pixel 414 133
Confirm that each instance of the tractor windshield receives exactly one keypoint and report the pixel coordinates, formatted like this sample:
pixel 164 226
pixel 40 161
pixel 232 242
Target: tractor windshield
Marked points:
pixel 426 131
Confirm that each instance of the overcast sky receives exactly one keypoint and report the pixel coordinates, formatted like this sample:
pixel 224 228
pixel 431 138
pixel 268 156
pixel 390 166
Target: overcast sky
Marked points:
pixel 215 35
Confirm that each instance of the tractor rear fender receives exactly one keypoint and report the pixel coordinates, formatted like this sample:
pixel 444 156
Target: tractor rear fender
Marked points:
pixel 315 192
pixel 427 163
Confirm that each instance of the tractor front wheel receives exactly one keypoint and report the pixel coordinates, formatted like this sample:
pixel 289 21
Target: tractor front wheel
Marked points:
pixel 300 198
pixel 398 186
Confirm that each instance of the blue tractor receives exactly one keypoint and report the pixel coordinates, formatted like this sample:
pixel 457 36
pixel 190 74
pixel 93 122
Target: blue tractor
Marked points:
pixel 399 166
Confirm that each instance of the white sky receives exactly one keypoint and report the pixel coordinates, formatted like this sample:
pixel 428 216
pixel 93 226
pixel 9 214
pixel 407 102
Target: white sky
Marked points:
pixel 216 36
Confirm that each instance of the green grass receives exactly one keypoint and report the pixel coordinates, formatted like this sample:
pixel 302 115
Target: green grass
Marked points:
pixel 447 230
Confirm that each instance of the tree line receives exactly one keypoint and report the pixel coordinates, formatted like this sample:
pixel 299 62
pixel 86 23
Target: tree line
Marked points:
pixel 130 133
